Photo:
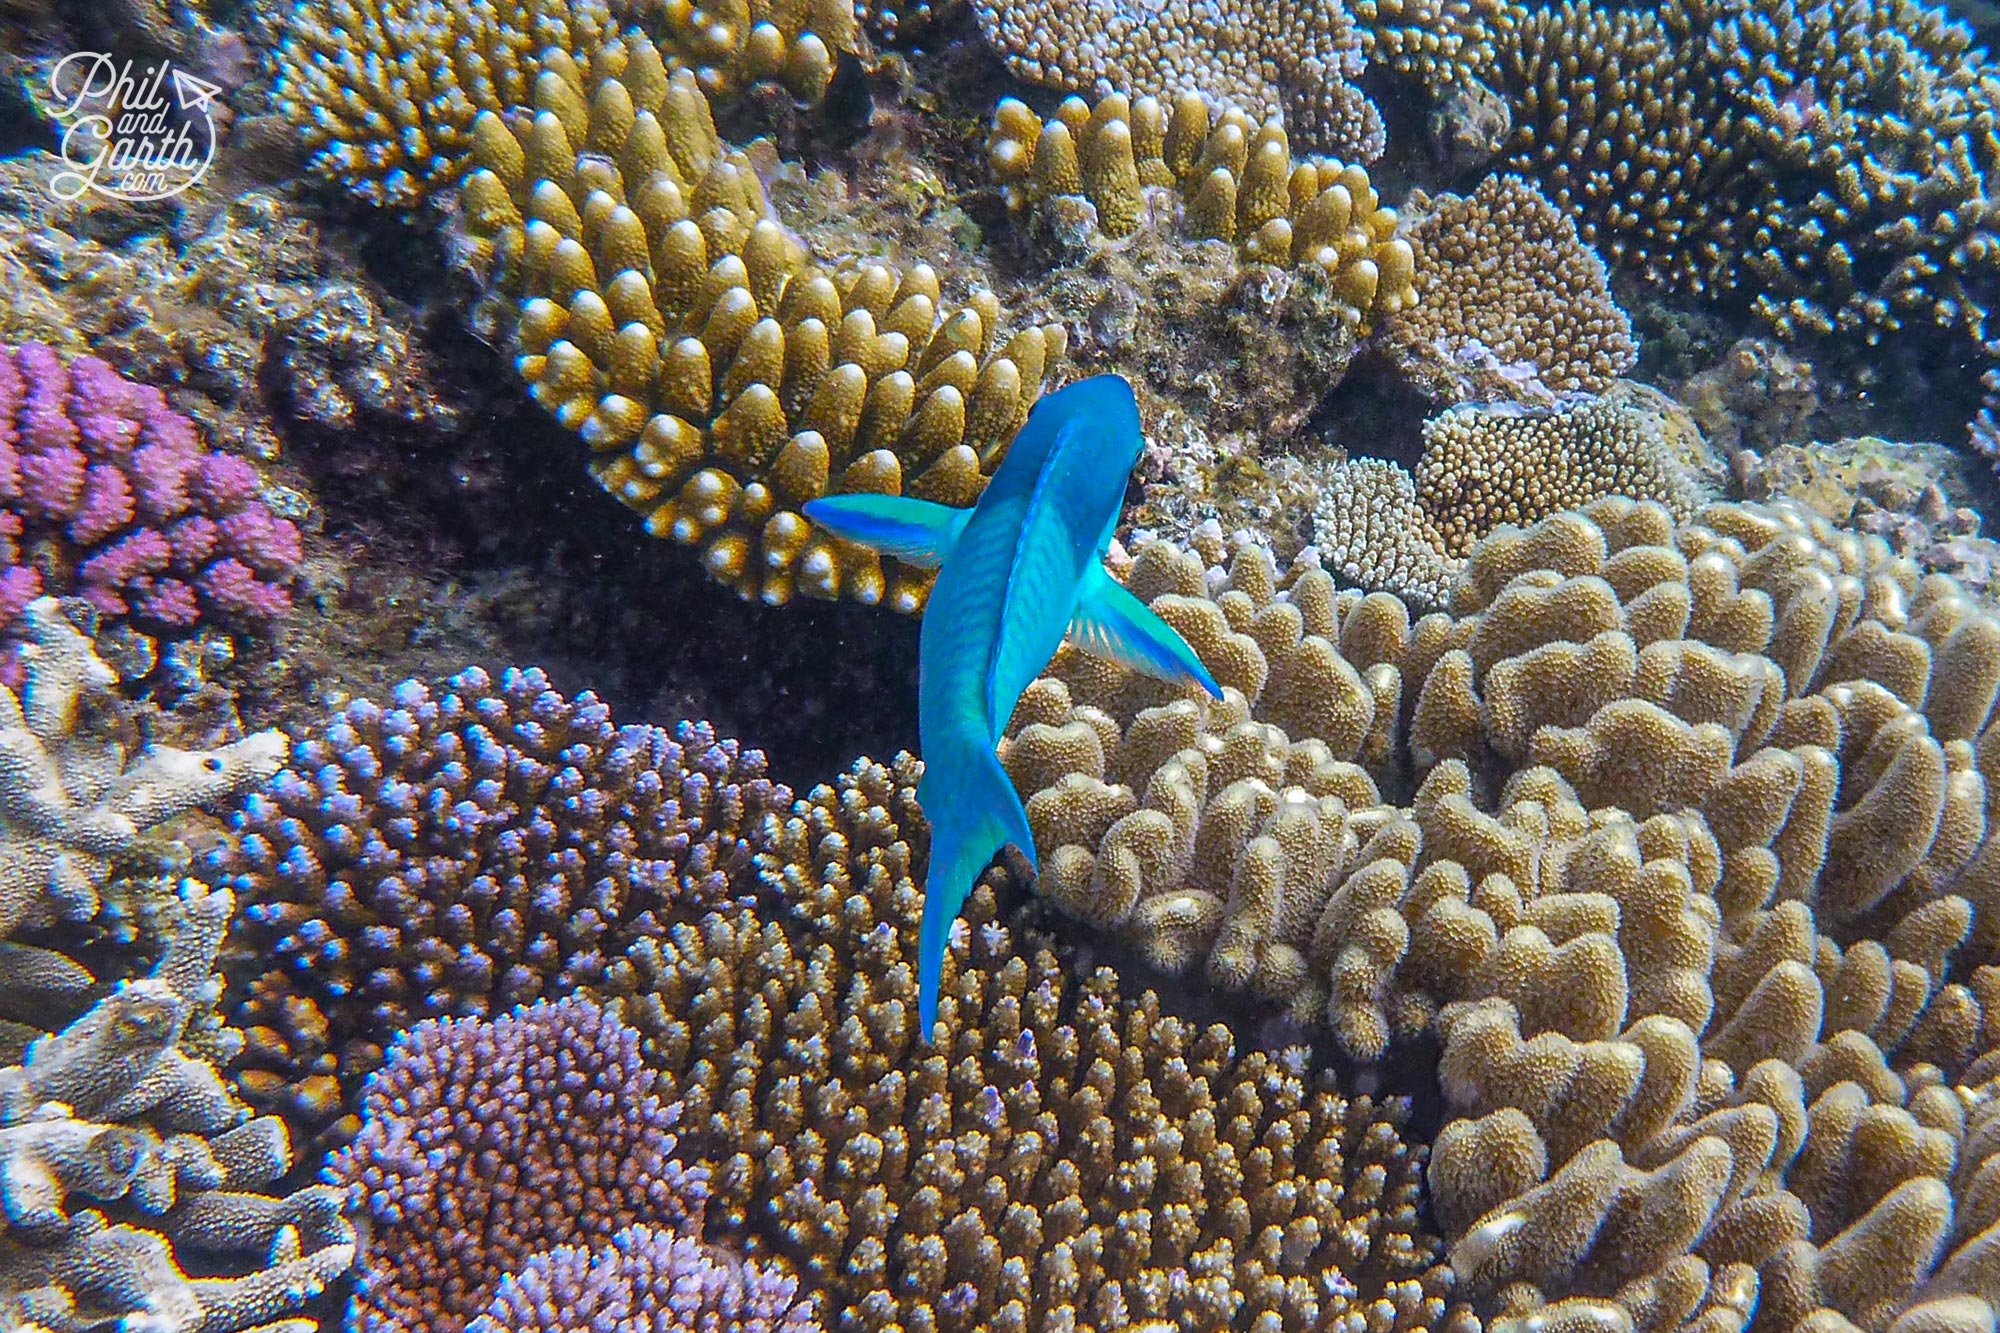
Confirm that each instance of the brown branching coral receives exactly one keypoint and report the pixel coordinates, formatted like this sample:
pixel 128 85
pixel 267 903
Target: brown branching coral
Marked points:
pixel 720 377
pixel 1696 888
pixel 1237 181
pixel 1510 302
pixel 1070 1156
pixel 1445 43
pixel 1296 61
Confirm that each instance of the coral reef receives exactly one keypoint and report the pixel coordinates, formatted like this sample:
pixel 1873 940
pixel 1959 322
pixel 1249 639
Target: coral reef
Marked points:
pixel 1757 396
pixel 1291 60
pixel 1370 530
pixel 1510 303
pixel 719 376
pixel 1448 44
pixel 108 494
pixel 459 853
pixel 1693 882
pixel 486 1144
pixel 1237 182
pixel 113 1113
pixel 1071 1156
pixel 76 792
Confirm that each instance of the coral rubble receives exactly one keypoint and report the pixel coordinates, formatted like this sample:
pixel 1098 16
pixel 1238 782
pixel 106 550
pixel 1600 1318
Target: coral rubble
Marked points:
pixel 126 1157
pixel 461 852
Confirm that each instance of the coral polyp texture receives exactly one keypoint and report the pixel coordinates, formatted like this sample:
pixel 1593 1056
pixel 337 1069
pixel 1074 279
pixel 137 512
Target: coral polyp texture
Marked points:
pixel 1296 61
pixel 126 1158
pixel 1236 181
pixel 1445 43
pixel 108 494
pixel 488 1143
pixel 720 377
pixel 76 791
pixel 1510 303
pixel 733 44
pixel 1068 1155
pixel 1676 835
pixel 460 852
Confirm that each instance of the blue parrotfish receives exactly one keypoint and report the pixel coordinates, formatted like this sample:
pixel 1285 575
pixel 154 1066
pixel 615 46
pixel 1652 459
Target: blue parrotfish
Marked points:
pixel 1017 572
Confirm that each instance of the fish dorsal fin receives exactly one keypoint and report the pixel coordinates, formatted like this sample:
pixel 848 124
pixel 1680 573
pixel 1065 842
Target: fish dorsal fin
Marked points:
pixel 916 532
pixel 1110 622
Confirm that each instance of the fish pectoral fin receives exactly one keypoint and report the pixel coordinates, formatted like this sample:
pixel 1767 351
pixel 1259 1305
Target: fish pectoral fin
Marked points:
pixel 1110 622
pixel 914 531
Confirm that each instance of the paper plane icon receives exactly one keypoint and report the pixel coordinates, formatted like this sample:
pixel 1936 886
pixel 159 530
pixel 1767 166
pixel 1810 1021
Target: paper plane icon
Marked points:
pixel 194 94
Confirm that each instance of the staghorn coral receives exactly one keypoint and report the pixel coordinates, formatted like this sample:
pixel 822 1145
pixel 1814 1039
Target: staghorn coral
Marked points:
pixel 459 853
pixel 75 794
pixel 1510 303
pixel 1237 180
pixel 107 493
pixel 1295 61
pixel 648 1281
pixel 1695 887
pixel 719 376
pixel 488 1144
pixel 1072 1157
pixel 113 1113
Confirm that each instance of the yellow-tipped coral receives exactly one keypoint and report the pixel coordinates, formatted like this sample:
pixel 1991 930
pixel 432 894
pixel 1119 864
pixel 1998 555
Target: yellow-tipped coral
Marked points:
pixel 719 376
pixel 1235 180
pixel 732 44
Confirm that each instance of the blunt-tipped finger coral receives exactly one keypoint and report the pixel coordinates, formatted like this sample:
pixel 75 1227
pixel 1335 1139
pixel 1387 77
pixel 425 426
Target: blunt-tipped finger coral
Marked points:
pixel 1234 180
pixel 1511 304
pixel 108 494
pixel 1070 1155
pixel 125 1158
pixel 720 377
pixel 460 852
pixel 488 1144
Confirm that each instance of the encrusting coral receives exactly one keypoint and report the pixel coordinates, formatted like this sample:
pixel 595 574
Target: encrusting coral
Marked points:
pixel 1292 60
pixel 75 793
pixel 487 1144
pixel 112 1113
pixel 1510 303
pixel 719 376
pixel 1693 881
pixel 461 852
pixel 1067 1156
pixel 1237 181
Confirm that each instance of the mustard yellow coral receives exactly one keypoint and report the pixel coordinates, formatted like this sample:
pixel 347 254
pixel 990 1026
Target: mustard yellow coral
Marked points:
pixel 1236 179
pixel 719 376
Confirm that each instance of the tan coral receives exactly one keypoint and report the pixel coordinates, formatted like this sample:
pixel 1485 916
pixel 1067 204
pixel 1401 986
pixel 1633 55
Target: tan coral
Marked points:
pixel 720 377
pixel 733 44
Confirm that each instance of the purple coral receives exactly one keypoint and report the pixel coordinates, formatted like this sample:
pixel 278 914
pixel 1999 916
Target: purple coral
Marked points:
pixel 646 1281
pixel 486 1142
pixel 464 851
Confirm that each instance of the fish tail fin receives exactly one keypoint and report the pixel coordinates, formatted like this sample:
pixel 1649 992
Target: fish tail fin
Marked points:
pixel 974 811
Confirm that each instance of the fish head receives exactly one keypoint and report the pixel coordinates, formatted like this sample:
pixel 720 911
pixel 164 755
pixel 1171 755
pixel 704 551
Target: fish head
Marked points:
pixel 1090 439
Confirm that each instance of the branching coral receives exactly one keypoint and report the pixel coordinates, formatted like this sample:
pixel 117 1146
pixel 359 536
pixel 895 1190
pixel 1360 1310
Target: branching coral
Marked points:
pixel 108 494
pixel 1445 43
pixel 719 376
pixel 1510 302
pixel 460 853
pixel 1695 886
pixel 1237 180
pixel 1070 1156
pixel 1369 530
pixel 1292 60
pixel 111 1112
pixel 486 1144
pixel 74 795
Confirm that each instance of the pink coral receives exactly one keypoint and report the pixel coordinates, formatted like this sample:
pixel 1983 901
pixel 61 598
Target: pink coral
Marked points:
pixel 108 494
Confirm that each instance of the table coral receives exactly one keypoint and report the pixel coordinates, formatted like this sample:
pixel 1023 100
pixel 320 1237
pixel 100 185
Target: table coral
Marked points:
pixel 1510 303
pixel 1693 882
pixel 1292 60
pixel 75 794
pixel 488 1143
pixel 719 376
pixel 460 852
pixel 1237 182
pixel 108 494
pixel 112 1113
pixel 1071 1155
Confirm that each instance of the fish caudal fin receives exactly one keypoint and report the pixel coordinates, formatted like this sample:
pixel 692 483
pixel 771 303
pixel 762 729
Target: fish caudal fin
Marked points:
pixel 974 811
